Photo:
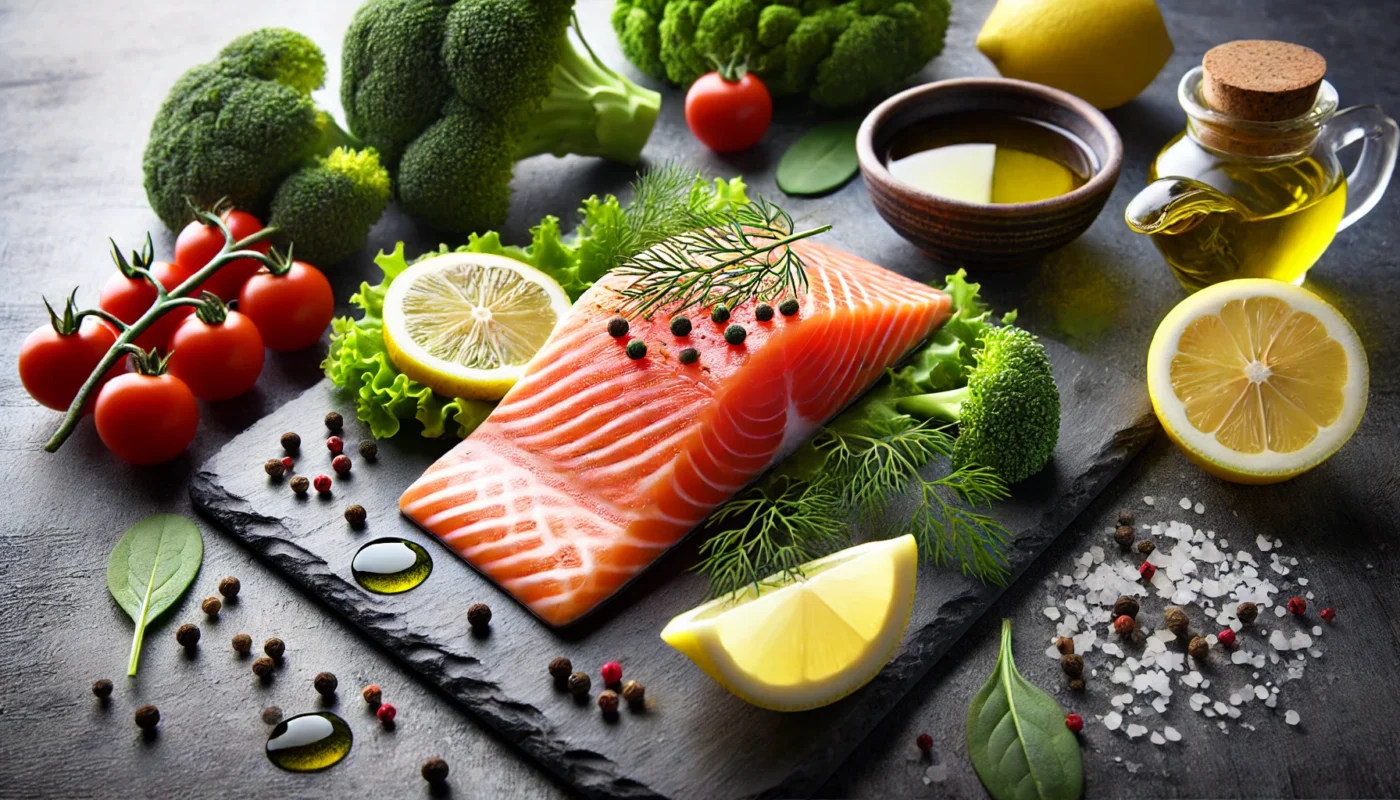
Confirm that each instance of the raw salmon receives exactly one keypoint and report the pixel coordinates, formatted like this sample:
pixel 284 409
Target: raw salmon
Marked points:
pixel 594 464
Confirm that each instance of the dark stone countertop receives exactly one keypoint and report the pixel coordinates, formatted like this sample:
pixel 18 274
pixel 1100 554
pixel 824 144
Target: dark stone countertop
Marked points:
pixel 79 83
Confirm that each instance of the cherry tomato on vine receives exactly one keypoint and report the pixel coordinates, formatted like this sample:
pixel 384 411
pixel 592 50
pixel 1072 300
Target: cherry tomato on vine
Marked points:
pixel 54 366
pixel 291 310
pixel 199 243
pixel 146 419
pixel 217 360
pixel 128 298
pixel 728 115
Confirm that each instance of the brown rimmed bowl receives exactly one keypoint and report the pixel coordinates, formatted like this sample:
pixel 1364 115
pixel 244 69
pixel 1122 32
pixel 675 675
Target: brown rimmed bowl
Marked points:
pixel 988 235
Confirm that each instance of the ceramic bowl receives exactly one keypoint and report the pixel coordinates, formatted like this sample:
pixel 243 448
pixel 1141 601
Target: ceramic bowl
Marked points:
pixel 990 235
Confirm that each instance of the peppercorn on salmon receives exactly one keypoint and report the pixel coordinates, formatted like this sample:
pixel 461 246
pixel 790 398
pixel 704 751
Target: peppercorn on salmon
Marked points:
pixel 595 462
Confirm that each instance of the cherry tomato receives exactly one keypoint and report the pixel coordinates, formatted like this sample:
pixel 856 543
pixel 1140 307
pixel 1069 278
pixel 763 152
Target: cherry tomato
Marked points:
pixel 128 298
pixel 146 419
pixel 728 116
pixel 199 243
pixel 291 310
pixel 217 361
pixel 53 367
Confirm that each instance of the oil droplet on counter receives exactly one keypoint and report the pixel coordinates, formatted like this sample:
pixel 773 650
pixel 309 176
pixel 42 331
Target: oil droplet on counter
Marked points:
pixel 390 566
pixel 309 742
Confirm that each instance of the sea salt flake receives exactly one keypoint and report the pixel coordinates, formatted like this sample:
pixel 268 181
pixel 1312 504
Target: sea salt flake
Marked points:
pixel 1185 503
pixel 1317 630
pixel 1261 693
pixel 1113 720
pixel 1135 730
pixel 1200 508
pixel 1158 739
pixel 1291 717
pixel 1172 734
pixel 1052 612
pixel 1262 542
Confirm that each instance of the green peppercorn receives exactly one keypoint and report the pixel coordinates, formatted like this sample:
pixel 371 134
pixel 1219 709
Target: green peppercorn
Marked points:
pixel 228 587
pixel 1146 547
pixel 618 327
pixel 325 684
pixel 579 684
pixel 334 422
pixel 434 771
pixel 301 484
pixel 262 666
pixel 147 717
pixel 187 635
pixel 1176 620
pixel 788 307
pixel 102 688
pixel 689 355
pixel 636 349
pixel 680 326
pixel 735 334
pixel 763 313
pixel 274 469
pixel 1199 648
pixel 242 644
pixel 274 647
pixel 635 694
pixel 1123 536
pixel 211 606
pixel 291 442
pixel 719 314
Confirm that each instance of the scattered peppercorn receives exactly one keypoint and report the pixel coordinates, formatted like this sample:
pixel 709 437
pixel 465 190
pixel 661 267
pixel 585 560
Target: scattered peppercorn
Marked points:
pixel 1072 665
pixel 335 444
pixel 719 314
pixel 636 349
pixel 323 484
pixel 228 587
pixel 262 666
pixel 1199 648
pixel 356 515
pixel 291 442
pixel 1328 614
pixel 924 743
pixel 334 422
pixel 735 334
pixel 325 684
pixel 369 450
pixel 788 307
pixel 1125 606
pixel 1074 722
pixel 1124 625
pixel 386 714
pixel 1297 606
pixel 1147 570
pixel 372 694
pixel 1177 621
pixel 434 771
pixel 607 701
pixel 680 326
pixel 275 647
pixel 211 606
pixel 579 684
pixel 763 313
pixel 1247 612
pixel 300 484
pixel 147 717
pixel 618 327
pixel 1125 517
pixel 271 715
pixel 287 464
pixel 242 644
pixel 341 464
pixel 1146 547
pixel 611 673
pixel 1226 638
pixel 479 617
pixel 689 355
pixel 560 669
pixel 1124 536
pixel 1076 685
pixel 635 694
pixel 102 688
pixel 187 635
pixel 1064 644
pixel 273 468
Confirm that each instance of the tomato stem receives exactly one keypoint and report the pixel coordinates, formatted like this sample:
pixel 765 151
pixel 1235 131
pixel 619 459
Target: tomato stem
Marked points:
pixel 110 319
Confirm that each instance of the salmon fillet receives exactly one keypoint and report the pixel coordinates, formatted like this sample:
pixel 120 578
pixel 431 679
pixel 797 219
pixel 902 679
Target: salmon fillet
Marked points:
pixel 594 464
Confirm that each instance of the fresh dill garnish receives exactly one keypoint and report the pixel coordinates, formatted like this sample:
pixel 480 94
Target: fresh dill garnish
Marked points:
pixel 747 255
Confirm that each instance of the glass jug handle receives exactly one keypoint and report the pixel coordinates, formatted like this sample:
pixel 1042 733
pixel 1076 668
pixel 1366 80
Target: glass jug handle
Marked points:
pixel 1379 138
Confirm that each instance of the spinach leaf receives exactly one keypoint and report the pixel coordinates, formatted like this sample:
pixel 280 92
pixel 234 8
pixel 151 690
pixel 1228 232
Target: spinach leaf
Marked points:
pixel 152 565
pixel 821 161
pixel 1017 739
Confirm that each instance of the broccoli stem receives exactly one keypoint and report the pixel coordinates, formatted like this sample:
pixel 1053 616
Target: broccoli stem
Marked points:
pixel 945 406
pixel 592 111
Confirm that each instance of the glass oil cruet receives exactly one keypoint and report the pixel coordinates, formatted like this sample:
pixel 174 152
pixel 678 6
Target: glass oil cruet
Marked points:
pixel 1253 188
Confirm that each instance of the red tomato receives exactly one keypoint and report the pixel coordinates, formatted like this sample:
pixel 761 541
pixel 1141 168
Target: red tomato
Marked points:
pixel 199 243
pixel 53 367
pixel 128 298
pixel 217 361
pixel 292 310
pixel 146 419
pixel 728 116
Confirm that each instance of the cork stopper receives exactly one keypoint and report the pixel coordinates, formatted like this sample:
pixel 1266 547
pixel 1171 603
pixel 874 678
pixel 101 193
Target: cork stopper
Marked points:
pixel 1261 80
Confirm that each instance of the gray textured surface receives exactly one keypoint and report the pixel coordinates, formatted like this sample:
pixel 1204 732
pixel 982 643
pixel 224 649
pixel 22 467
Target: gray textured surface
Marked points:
pixel 78 85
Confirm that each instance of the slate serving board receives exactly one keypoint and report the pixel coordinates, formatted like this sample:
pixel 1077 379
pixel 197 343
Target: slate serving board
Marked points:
pixel 695 740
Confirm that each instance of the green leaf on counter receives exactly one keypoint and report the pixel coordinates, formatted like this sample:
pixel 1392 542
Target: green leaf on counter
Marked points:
pixel 1017 738
pixel 151 567
pixel 822 161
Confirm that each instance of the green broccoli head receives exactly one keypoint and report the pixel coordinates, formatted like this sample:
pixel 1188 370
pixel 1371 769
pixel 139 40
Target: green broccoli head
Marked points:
pixel 836 53
pixel 239 126
pixel 326 208
pixel 453 92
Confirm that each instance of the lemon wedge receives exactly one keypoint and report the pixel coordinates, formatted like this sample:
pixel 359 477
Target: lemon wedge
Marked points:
pixel 805 643
pixel 1257 380
pixel 466 324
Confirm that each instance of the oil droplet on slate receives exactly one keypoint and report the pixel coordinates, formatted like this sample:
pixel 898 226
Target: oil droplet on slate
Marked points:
pixel 390 566
pixel 309 742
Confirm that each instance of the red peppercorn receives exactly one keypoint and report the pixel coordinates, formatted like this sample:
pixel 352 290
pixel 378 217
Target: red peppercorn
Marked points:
pixel 287 463
pixel 323 484
pixel 1226 637
pixel 612 673
pixel 1124 625
pixel 1328 613
pixel 1297 606
pixel 1147 570
pixel 1074 722
pixel 341 464
pixel 335 444
pixel 924 742
pixel 386 713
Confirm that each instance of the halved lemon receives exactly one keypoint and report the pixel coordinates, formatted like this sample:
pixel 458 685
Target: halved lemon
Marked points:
pixel 800 644
pixel 1257 380
pixel 466 324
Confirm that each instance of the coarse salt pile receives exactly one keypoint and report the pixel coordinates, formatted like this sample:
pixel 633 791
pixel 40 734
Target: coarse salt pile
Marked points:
pixel 1201 573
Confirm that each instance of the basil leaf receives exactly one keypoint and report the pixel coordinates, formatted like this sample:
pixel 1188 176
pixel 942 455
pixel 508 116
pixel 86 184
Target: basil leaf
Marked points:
pixel 152 565
pixel 821 161
pixel 1017 739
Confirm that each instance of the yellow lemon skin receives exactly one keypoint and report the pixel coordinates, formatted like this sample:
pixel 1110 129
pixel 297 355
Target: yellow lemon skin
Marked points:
pixel 1105 51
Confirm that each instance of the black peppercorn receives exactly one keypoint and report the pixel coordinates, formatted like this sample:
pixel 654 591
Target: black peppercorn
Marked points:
pixel 1247 612
pixel 272 715
pixel 187 635
pixel 719 314
pixel 369 450
pixel 1146 547
pixel 262 666
pixel 274 647
pixel 147 717
pixel 211 606
pixel 1125 517
pixel 372 694
pixel 434 771
pixel 618 327
pixel 301 484
pixel 636 349
pixel 579 684
pixel 635 694
pixel 1125 606
pixel 689 355
pixel 1176 620
pixel 228 587
pixel 1076 685
pixel 1123 535
pixel 607 701
pixel 680 326
pixel 1072 664
pixel 735 334
pixel 325 684
pixel 788 307
pixel 274 469
pixel 1064 644
pixel 242 644
pixel 291 442
pixel 1198 648
pixel 102 688
pixel 355 515
pixel 560 669
pixel 479 617
pixel 763 313
pixel 334 422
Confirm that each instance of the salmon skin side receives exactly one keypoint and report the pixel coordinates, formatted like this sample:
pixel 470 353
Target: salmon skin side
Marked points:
pixel 594 464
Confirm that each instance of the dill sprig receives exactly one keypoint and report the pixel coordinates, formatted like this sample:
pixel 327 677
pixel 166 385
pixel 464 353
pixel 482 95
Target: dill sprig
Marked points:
pixel 667 200
pixel 878 466
pixel 746 255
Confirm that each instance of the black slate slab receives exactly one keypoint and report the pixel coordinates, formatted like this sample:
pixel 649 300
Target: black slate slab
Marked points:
pixel 695 740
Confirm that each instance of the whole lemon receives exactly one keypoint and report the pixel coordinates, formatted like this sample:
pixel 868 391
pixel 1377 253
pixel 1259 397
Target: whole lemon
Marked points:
pixel 1105 51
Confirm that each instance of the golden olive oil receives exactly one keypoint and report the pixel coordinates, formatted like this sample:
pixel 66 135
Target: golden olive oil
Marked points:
pixel 391 566
pixel 309 742
pixel 988 157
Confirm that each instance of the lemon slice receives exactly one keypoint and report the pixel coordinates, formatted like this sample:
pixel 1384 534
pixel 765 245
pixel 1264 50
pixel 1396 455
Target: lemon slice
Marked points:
pixel 801 644
pixel 1257 380
pixel 466 324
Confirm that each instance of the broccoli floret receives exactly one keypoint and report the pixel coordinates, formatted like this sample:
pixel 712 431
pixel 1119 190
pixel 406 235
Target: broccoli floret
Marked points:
pixel 1009 411
pixel 241 126
pixel 836 53
pixel 453 92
